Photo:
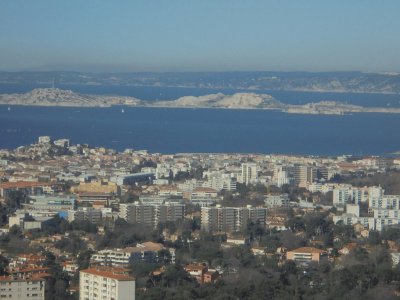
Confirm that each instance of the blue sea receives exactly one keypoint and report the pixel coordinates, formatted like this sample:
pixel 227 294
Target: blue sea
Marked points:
pixel 169 130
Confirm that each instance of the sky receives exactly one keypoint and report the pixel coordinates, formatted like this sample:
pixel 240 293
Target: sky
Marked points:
pixel 200 35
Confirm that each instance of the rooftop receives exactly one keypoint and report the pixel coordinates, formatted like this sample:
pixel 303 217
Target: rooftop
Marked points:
pixel 308 250
pixel 109 273
pixel 24 184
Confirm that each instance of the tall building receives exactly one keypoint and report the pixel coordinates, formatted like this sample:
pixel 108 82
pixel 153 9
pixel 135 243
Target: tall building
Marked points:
pixel 85 214
pixel 30 288
pixel 107 283
pixel 281 176
pixel 151 214
pixel 349 194
pixel 249 173
pixel 230 219
pixel 304 174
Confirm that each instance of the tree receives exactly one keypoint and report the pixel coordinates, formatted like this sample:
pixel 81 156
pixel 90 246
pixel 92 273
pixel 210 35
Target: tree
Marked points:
pixel 295 224
pixel 14 199
pixel 83 260
pixel 3 265
pixel 174 275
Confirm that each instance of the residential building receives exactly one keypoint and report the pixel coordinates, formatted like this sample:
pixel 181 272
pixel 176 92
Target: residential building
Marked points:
pixel 131 179
pixel 220 182
pixel 348 194
pixel 50 203
pixel 304 174
pixel 151 214
pixel 29 288
pixel 280 200
pixel 229 219
pixel 107 283
pixel 281 176
pixel 85 214
pixel 249 173
pixel 27 187
pixel 306 255
pixel 146 252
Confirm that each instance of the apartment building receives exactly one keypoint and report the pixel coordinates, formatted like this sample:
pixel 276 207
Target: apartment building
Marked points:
pixel 151 214
pixel 348 194
pixel 107 283
pixel 30 288
pixel 50 203
pixel 306 255
pixel 249 173
pixel 230 219
pixel 279 200
pixel 304 174
pixel 85 214
pixel 146 252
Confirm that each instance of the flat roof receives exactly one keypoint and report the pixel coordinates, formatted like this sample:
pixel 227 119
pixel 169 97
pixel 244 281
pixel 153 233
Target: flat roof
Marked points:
pixel 25 184
pixel 308 250
pixel 109 273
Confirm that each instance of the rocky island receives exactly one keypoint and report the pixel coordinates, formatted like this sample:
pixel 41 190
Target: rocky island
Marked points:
pixel 58 97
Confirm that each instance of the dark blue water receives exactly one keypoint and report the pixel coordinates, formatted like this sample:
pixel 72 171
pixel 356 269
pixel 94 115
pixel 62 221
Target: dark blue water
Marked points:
pixel 203 130
pixel 170 93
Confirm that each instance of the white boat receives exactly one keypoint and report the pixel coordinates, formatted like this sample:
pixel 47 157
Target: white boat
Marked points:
pixel 9 108
pixel 122 111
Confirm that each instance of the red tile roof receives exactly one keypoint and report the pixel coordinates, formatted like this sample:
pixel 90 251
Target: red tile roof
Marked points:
pixel 308 250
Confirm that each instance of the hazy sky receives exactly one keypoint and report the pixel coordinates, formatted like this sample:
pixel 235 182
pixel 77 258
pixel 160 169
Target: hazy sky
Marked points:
pixel 200 35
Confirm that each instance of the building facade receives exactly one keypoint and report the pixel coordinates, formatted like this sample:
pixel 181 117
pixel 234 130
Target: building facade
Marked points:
pixel 231 219
pixel 106 284
pixel 22 288
pixel 151 214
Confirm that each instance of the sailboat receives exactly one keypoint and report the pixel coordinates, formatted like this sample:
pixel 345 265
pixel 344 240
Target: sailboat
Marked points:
pixel 9 108
pixel 122 110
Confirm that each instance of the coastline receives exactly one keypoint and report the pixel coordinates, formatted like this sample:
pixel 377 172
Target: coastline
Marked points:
pixel 53 97
pixel 288 110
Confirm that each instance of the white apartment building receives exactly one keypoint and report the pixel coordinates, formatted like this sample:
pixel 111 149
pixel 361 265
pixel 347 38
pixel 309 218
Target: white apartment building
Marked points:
pixel 230 219
pixel 106 284
pixel 145 252
pixel 22 288
pixel 190 185
pixel 316 187
pixel 249 173
pixel 380 213
pixel 151 214
pixel 348 194
pixel 385 202
pixel 281 200
pixel 220 182
pixel 281 176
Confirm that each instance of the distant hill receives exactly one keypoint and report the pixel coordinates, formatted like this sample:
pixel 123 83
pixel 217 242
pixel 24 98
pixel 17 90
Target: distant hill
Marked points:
pixel 356 82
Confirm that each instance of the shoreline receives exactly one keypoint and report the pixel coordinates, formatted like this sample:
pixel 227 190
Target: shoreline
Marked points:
pixel 287 110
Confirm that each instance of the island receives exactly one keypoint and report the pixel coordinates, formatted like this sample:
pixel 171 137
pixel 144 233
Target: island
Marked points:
pixel 68 98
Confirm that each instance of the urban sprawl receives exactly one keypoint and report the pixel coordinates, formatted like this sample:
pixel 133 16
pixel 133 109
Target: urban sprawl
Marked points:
pixel 93 223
